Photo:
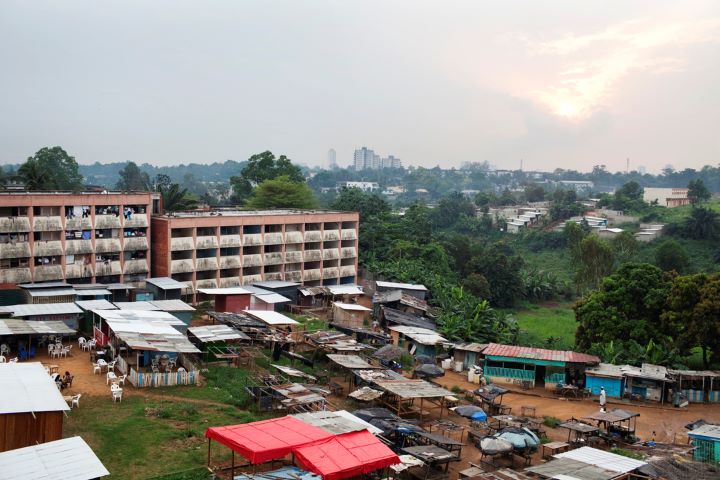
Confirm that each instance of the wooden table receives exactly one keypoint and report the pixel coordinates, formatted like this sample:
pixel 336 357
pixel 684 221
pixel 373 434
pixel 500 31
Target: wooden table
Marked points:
pixel 53 368
pixel 554 448
pixel 528 410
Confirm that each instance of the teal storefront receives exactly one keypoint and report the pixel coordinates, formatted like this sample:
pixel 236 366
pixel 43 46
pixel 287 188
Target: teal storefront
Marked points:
pixel 517 371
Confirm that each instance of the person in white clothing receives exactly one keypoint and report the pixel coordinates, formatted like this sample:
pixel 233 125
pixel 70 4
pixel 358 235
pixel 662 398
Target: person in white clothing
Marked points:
pixel 603 399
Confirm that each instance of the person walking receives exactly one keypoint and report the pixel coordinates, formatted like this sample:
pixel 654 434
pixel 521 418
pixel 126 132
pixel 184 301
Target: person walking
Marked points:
pixel 603 399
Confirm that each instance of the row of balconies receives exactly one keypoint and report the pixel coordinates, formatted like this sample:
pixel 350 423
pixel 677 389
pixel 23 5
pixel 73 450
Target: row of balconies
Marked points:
pixel 75 270
pixel 253 239
pixel 51 248
pixel 57 223
pixel 256 260
pixel 291 276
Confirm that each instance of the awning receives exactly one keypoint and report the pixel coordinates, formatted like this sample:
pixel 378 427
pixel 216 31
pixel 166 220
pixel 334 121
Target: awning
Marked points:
pixel 345 456
pixel 267 440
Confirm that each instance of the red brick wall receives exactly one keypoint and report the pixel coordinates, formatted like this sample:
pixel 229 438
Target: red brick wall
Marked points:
pixel 160 248
pixel 232 303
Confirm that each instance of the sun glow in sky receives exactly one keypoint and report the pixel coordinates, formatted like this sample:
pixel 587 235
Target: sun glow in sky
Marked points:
pixel 561 84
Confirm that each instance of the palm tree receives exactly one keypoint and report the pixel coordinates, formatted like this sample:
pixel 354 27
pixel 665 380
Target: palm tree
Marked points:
pixel 175 199
pixel 34 175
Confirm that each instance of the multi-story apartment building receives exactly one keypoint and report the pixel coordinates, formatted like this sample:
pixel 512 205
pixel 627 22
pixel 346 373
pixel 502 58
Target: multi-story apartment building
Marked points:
pixel 226 248
pixel 366 159
pixel 88 237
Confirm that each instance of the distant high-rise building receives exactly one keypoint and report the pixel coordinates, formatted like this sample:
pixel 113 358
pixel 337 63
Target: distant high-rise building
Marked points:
pixel 365 159
pixel 332 158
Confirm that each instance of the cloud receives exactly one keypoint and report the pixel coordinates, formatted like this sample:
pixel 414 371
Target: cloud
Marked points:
pixel 590 68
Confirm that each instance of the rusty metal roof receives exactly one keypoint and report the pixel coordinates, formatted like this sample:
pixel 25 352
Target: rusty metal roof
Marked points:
pixel 514 351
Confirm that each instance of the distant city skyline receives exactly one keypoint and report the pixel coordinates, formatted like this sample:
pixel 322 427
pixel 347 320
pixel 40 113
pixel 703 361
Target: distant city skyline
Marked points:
pixel 563 84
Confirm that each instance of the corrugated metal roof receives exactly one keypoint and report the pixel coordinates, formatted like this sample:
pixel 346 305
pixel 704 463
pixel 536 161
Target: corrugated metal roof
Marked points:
pixel 337 422
pixel 26 387
pixel 352 362
pixel 569 469
pixel 29 286
pixel 648 371
pixel 399 317
pixel 224 291
pixel 400 286
pixel 33 327
pixel 312 291
pixel 165 283
pixel 345 290
pixel 119 286
pixel 139 316
pixel 144 306
pixel 95 305
pixel 351 306
pixel 66 459
pixel 605 370
pixel 419 335
pixel 514 351
pixel 93 291
pixel 412 388
pixel 217 333
pixel 172 306
pixel 154 335
pixel 603 459
pixel 276 284
pixel 270 317
pixel 30 310
pixel 471 347
pixel 707 430
pixel 271 298
pixel 52 292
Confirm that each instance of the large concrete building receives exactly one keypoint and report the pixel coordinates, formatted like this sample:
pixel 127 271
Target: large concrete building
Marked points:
pixel 229 248
pixel 666 197
pixel 88 237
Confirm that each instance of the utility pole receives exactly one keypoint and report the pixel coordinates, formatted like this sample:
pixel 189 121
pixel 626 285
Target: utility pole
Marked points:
pixel 627 166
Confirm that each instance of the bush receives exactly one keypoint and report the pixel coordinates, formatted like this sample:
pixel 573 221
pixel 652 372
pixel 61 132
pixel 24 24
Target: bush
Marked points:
pixel 627 453
pixel 551 422
pixel 456 389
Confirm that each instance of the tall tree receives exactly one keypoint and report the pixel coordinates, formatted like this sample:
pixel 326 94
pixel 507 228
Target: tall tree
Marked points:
pixel 260 168
pixel 282 192
pixel 625 246
pixel 595 261
pixel 132 179
pixel 61 170
pixel 176 199
pixel 697 192
pixel 35 175
pixel 702 224
pixel 671 256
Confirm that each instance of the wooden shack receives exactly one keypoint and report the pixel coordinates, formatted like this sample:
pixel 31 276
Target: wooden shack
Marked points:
pixel 31 406
pixel 350 314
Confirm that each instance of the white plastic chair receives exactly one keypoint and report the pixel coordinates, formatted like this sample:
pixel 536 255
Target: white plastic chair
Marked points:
pixel 81 341
pixel 4 349
pixel 97 368
pixel 181 370
pixel 75 402
pixel 121 380
pixel 51 348
pixel 111 366
pixel 116 393
pixel 55 353
pixel 3 359
pixel 110 376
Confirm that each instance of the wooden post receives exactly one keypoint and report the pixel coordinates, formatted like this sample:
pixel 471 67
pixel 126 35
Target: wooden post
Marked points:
pixel 232 467
pixel 208 456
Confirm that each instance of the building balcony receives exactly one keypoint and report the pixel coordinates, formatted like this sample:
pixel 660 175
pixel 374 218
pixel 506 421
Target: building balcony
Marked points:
pixel 330 272
pixel 207 283
pixel 14 224
pixel 47 224
pixel 347 271
pixel 275 238
pixel 206 242
pixel 77 247
pixel 15 275
pixel 250 279
pixel 331 254
pixel 107 245
pixel 229 282
pixel 313 274
pixel 312 255
pixel 293 237
pixel 47 248
pixel 137 220
pixel 204 264
pixel 107 221
pixel 48 272
pixel 313 236
pixel 271 276
pixel 348 234
pixel 131 244
pixel 182 266
pixel 230 262
pixel 294 276
pixel 15 250
pixel 251 239
pixel 293 257
pixel 274 258
pixel 78 223
pixel 348 252
pixel 251 260
pixel 331 235
pixel 104 269
pixel 182 243
pixel 227 241
pixel 78 270
pixel 134 267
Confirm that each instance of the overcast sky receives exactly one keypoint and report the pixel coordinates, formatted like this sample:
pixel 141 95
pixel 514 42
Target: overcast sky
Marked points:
pixel 557 83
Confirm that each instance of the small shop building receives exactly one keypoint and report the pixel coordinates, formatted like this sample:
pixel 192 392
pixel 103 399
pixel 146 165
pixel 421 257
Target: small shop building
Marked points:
pixel 232 299
pixel 350 314
pixel 418 341
pixel 706 440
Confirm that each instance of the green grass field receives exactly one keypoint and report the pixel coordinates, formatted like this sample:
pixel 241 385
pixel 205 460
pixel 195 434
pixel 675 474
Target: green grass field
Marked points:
pixel 540 322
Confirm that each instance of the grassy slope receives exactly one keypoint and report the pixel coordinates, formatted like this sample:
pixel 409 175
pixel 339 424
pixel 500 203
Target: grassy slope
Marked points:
pixel 551 320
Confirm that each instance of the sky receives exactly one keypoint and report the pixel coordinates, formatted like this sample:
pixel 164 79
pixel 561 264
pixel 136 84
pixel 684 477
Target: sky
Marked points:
pixel 561 84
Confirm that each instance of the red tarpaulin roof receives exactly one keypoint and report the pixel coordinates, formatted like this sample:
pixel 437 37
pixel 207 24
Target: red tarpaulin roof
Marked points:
pixel 269 439
pixel 346 455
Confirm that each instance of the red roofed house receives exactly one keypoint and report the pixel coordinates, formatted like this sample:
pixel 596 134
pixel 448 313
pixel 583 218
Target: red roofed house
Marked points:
pixel 539 367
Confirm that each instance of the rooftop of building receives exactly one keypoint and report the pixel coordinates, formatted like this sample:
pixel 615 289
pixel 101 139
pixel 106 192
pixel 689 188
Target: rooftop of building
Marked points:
pixel 246 213
pixel 17 193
